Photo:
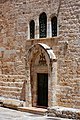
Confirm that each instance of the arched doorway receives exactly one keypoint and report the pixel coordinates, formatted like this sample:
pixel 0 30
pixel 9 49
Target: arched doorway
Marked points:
pixel 41 72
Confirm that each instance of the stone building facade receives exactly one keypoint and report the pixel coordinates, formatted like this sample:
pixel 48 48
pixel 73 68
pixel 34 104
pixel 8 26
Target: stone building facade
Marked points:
pixel 26 57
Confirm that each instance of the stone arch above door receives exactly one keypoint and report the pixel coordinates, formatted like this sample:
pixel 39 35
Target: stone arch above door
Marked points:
pixel 36 48
pixel 51 62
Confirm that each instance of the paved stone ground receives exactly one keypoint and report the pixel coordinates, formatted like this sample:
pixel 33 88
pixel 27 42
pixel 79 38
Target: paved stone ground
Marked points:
pixel 9 114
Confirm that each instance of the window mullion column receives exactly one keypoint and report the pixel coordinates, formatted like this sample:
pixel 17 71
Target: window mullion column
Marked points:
pixel 28 36
pixel 49 29
pixel 37 29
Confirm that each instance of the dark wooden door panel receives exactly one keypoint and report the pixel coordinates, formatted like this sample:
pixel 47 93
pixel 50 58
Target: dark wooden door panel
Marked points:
pixel 42 89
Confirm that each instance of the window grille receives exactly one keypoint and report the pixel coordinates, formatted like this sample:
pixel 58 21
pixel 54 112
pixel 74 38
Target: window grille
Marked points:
pixel 54 26
pixel 32 29
pixel 43 25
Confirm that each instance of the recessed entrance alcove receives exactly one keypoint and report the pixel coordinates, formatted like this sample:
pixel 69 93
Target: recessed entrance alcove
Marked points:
pixel 41 72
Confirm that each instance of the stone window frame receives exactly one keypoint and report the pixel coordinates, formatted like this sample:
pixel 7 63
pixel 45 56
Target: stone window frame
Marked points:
pixel 49 26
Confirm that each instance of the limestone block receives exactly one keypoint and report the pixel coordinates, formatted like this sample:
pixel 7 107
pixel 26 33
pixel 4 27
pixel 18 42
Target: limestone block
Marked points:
pixel 64 112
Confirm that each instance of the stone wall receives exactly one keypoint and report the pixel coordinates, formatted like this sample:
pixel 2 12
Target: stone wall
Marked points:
pixel 14 42
pixel 12 86
pixel 68 91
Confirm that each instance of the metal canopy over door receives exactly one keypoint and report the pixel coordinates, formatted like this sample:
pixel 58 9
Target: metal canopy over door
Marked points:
pixel 42 89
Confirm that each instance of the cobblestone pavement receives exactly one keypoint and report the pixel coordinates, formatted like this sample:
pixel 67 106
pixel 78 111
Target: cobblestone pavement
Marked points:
pixel 9 114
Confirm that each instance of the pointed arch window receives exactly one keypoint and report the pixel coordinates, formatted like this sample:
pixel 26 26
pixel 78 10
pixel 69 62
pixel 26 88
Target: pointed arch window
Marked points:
pixel 42 25
pixel 32 29
pixel 54 26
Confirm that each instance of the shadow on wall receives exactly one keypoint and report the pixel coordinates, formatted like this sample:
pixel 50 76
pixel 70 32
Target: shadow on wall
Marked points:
pixel 23 92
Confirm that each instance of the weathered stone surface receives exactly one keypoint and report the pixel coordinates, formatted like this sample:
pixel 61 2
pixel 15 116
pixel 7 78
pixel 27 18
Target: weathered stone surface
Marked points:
pixel 15 16
pixel 12 86
pixel 64 112
pixel 11 103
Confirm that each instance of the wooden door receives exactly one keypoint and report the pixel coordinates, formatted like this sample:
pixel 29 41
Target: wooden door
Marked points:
pixel 42 89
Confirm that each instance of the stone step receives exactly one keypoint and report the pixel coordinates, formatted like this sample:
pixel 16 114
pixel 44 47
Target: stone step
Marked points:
pixel 33 110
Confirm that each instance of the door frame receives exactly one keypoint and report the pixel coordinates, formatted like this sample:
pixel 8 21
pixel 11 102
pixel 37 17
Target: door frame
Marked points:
pixel 51 60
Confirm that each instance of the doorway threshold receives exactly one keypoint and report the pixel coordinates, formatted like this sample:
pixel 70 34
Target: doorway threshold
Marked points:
pixel 33 110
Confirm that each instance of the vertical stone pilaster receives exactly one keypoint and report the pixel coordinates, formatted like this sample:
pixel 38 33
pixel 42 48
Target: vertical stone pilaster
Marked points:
pixel 54 82
pixel 49 87
pixel 28 89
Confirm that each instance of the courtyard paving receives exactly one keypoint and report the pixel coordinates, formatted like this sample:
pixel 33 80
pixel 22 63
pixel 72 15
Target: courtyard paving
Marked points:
pixel 9 114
